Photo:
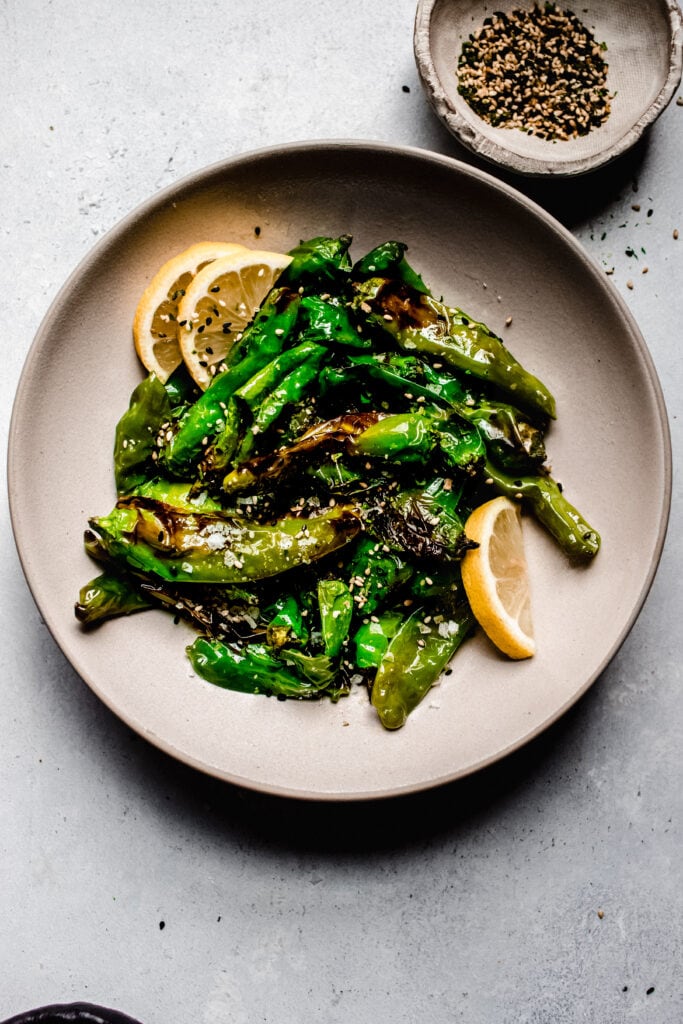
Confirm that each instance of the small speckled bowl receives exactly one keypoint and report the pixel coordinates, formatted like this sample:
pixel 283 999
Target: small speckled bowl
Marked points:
pixel 644 53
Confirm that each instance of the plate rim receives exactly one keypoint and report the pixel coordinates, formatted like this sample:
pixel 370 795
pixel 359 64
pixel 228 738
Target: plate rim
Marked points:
pixel 191 181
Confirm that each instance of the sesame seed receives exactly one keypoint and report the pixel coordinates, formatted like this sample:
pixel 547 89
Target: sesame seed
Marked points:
pixel 539 71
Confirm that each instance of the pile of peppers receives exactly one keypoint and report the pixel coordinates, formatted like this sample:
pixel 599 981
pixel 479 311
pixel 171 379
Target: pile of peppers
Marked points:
pixel 305 513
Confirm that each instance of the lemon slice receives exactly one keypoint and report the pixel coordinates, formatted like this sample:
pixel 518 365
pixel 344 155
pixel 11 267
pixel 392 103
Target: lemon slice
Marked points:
pixel 496 578
pixel 219 303
pixel 154 323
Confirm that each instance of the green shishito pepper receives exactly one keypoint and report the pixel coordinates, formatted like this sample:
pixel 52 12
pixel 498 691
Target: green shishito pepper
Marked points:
pixel 328 322
pixel 319 264
pixel 136 435
pixel 575 536
pixel 297 511
pixel 254 668
pixel 414 659
pixel 149 537
pixel 388 261
pixel 261 342
pixel 373 637
pixel 286 625
pixel 375 571
pixel 418 322
pixel 107 596
pixel 335 606
pixel 511 440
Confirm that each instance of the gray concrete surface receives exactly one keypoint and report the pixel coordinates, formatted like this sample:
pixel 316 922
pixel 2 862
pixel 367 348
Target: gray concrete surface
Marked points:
pixel 127 879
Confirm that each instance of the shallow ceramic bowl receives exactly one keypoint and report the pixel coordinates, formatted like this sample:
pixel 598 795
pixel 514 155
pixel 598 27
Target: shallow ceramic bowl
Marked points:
pixel 644 53
pixel 479 243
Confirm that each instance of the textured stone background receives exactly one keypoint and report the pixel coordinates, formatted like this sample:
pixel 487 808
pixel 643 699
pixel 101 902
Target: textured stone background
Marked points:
pixel 129 880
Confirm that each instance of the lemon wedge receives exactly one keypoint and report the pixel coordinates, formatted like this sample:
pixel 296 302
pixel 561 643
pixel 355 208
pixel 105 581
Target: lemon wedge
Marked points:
pixel 496 578
pixel 155 320
pixel 219 303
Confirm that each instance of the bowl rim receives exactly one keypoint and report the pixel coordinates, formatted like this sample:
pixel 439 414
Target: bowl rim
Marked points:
pixel 494 152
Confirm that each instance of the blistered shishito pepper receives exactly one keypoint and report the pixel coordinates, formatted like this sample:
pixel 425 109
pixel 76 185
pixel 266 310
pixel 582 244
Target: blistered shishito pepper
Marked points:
pixel 414 436
pixel 265 471
pixel 286 624
pixel 182 391
pixel 402 437
pixel 205 421
pixel 417 322
pixel 363 396
pixel 335 606
pixel 137 432
pixel 327 321
pixel 149 537
pixel 414 659
pixel 388 261
pixel 372 639
pixel 255 668
pixel 423 324
pixel 424 521
pixel 181 496
pixel 108 596
pixel 318 265
pixel 576 537
pixel 375 570
pixel 282 382
pixel 511 440
pixel 270 376
pixel 295 386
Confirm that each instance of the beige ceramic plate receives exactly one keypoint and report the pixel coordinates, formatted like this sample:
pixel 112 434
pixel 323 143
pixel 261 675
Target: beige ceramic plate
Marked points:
pixel 644 53
pixel 483 246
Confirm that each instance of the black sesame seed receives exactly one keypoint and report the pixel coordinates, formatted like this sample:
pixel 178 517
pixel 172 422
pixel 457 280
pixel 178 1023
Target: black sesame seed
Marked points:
pixel 540 71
